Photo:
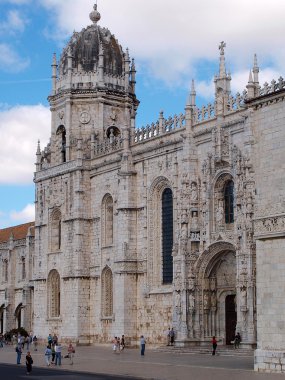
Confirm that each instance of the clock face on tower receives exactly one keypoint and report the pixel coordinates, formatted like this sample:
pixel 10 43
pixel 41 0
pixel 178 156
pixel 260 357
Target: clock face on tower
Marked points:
pixel 84 117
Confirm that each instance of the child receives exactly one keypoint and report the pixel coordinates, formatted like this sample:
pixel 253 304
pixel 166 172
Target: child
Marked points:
pixel 29 362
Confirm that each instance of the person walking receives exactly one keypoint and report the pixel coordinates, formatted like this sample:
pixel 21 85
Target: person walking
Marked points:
pixel 1 340
pixel 35 343
pixel 142 344
pixel 168 336
pixel 57 349
pixel 19 353
pixel 237 340
pixel 122 343
pixel 48 355
pixel 172 337
pixel 71 352
pixel 29 363
pixel 214 344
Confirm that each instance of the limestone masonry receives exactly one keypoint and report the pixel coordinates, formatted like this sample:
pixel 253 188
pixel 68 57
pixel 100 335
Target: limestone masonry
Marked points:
pixel 178 224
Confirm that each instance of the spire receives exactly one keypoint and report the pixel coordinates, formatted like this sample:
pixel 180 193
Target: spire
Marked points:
pixel 101 65
pixel 133 76
pixel 54 74
pixel 39 156
pixel 222 72
pixel 255 70
pixel 191 102
pixel 95 15
pixel 250 86
pixel 127 69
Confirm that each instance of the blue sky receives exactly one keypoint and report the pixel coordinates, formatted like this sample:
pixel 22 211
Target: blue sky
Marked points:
pixel 172 42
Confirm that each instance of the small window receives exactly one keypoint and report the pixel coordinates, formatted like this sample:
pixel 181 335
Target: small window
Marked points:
pixel 23 268
pixel 107 220
pixel 229 202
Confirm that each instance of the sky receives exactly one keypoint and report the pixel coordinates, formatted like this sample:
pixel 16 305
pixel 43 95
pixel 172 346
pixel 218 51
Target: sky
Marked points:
pixel 172 43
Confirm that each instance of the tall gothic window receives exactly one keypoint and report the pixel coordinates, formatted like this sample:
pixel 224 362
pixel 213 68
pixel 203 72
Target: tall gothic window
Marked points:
pixel 5 270
pixel 61 132
pixel 23 268
pixel 167 236
pixel 229 202
pixel 107 293
pixel 107 220
pixel 56 231
pixel 53 287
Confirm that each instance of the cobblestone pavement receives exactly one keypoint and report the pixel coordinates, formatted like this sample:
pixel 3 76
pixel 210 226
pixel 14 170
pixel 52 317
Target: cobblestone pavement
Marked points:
pixel 155 365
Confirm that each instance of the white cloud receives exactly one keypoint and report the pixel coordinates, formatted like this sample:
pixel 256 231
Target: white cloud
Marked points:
pixel 25 215
pixel 171 37
pixel 10 60
pixel 14 23
pixel 20 128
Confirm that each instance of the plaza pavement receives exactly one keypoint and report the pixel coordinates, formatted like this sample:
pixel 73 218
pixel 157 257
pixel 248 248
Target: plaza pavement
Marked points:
pixel 155 365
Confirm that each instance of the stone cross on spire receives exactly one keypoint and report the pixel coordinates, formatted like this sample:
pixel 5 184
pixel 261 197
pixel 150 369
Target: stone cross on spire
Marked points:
pixel 222 47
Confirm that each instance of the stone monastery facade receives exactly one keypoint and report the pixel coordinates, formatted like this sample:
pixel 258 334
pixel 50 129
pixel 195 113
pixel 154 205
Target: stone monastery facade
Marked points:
pixel 180 223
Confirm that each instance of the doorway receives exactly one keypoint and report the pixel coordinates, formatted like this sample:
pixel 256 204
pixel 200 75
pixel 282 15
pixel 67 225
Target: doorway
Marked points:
pixel 231 318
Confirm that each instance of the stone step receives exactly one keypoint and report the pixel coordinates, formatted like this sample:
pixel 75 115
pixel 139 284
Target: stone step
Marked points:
pixel 221 350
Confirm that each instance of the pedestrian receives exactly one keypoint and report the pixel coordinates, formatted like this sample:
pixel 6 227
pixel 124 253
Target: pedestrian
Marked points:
pixel 52 354
pixel 114 345
pixel 214 344
pixel 19 353
pixel 57 349
pixel 168 336
pixel 35 343
pixel 49 339
pixel 29 363
pixel 122 343
pixel 48 355
pixel 237 340
pixel 71 352
pixel 1 340
pixel 142 343
pixel 27 342
pixel 172 337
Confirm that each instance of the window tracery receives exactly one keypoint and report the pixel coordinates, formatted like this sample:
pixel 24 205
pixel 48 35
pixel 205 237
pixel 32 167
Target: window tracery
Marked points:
pixel 107 220
pixel 55 231
pixel 53 285
pixel 107 293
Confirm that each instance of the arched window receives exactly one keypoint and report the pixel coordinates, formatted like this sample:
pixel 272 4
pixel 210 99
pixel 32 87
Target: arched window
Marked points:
pixel 5 270
pixel 55 230
pixel 107 220
pixel 61 132
pixel 167 236
pixel 18 315
pixel 229 202
pixel 53 287
pixel 23 268
pixel 107 293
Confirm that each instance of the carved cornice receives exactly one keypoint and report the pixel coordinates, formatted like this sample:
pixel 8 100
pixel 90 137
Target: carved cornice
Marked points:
pixel 61 169
pixel 269 227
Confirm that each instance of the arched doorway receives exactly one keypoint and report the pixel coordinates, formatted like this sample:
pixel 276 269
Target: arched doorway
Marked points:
pixel 218 284
pixel 18 315
pixel 231 317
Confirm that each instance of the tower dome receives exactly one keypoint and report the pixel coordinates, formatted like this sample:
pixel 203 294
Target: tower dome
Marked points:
pixel 84 48
pixel 94 58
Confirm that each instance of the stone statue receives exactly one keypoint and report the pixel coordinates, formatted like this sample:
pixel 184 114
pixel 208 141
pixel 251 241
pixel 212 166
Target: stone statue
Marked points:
pixel 220 213
pixel 194 192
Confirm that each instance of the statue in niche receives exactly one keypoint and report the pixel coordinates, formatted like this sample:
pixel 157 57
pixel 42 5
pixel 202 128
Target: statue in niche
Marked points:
pixel 194 192
pixel 206 301
pixel 177 302
pixel 213 300
pixel 191 302
pixel 243 297
pixel 194 224
pixel 220 213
